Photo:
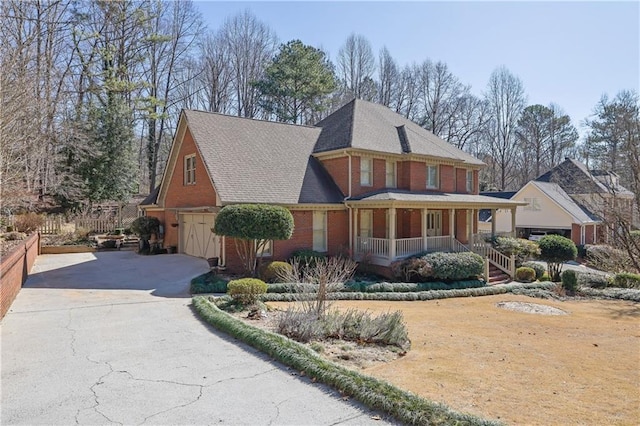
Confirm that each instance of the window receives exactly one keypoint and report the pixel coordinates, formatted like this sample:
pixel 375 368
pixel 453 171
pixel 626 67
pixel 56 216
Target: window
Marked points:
pixel 190 169
pixel 434 224
pixel 432 176
pixel 533 204
pixel 266 250
pixel 469 180
pixel 366 223
pixel 391 174
pixel 320 231
pixel 366 168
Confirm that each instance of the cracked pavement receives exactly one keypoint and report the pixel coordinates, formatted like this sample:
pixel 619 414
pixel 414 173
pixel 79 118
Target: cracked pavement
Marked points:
pixel 110 338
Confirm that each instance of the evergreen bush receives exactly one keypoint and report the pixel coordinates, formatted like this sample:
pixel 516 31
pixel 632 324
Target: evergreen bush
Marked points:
pixel 274 272
pixel 569 281
pixel 538 268
pixel 246 290
pixel 626 280
pixel 525 274
pixel 555 250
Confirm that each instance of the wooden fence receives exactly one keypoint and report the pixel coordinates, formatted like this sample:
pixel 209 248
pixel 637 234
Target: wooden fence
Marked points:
pixel 100 226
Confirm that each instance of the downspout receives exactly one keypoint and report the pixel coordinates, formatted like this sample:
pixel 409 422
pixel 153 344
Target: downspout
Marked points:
pixel 350 231
pixel 349 155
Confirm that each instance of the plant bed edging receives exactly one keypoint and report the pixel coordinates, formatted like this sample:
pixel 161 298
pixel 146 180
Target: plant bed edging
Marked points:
pixel 374 393
pixel 66 249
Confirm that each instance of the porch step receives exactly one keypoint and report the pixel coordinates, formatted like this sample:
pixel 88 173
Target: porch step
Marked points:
pixel 497 276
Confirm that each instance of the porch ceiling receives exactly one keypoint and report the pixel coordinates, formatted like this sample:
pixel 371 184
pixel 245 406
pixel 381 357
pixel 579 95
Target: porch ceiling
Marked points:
pixel 406 199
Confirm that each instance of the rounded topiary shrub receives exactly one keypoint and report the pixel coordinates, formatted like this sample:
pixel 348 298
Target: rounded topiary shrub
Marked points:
pixel 454 266
pixel 246 290
pixel 569 281
pixel 555 250
pixel 276 272
pixel 538 268
pixel 525 274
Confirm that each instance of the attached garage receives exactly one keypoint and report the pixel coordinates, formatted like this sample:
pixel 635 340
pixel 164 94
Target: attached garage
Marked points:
pixel 196 237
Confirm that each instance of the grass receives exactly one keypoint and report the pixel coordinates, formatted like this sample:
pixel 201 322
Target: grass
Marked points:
pixel 374 393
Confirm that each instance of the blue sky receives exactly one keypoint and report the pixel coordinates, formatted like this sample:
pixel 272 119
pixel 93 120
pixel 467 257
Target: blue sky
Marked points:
pixel 569 53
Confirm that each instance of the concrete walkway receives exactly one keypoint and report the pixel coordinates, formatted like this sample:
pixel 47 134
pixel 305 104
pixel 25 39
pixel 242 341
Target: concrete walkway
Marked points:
pixel 111 338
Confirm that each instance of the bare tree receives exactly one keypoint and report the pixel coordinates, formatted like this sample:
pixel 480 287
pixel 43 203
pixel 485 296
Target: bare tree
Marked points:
pixel 216 78
pixel 506 99
pixel 356 65
pixel 250 46
pixel 388 77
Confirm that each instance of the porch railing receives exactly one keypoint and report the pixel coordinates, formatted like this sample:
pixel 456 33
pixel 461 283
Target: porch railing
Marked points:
pixel 408 246
pixel 443 243
pixel 505 263
pixel 378 247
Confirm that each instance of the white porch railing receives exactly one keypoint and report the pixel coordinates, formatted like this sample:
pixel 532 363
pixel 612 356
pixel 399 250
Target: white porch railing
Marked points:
pixel 408 246
pixel 504 263
pixel 378 247
pixel 443 243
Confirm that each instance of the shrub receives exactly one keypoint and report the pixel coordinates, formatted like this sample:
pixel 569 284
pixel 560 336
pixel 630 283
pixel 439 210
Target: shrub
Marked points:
pixel 555 250
pixel 520 248
pixel 144 226
pixel 593 280
pixel 538 268
pixel 306 257
pixel 368 287
pixel 569 281
pixel 28 222
pixel 14 236
pixel 525 274
pixel 208 283
pixel 412 269
pixel 626 280
pixel 544 277
pixel 455 266
pixel 110 244
pixel 607 258
pixel 246 290
pixel 275 272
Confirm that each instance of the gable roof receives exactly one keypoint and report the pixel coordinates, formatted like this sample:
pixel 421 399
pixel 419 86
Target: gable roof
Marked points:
pixel 555 192
pixel 573 177
pixel 263 161
pixel 152 198
pixel 366 125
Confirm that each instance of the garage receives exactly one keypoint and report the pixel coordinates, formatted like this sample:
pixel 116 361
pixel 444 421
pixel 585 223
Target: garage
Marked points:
pixel 196 237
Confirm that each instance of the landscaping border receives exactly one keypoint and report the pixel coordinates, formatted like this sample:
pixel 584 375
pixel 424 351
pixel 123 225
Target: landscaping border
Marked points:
pixel 374 393
pixel 14 270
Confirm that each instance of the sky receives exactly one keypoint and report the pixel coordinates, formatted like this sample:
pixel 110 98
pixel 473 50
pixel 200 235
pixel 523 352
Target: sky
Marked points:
pixel 567 53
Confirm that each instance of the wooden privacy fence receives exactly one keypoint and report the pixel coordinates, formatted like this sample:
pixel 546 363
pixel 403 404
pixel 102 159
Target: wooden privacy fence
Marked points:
pixel 51 225
pixel 97 225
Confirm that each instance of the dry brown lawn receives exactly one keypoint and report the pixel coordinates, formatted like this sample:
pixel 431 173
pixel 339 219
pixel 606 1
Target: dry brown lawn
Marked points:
pixel 521 368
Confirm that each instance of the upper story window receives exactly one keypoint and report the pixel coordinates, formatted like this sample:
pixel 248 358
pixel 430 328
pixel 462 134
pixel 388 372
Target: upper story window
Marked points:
pixel 320 231
pixel 190 169
pixel 533 204
pixel 433 181
pixel 391 174
pixel 469 180
pixel 366 171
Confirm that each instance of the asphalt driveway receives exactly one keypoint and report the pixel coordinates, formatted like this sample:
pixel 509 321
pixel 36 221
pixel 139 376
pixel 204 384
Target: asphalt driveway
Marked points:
pixel 110 338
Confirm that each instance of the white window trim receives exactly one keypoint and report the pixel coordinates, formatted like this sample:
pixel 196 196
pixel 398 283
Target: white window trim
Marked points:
pixel 323 229
pixel 369 173
pixel 437 184
pixel 533 204
pixel 190 173
pixel 369 214
pixel 267 250
pixel 393 167
pixel 469 182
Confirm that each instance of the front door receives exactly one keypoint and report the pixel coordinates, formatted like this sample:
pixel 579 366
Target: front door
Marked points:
pixel 434 224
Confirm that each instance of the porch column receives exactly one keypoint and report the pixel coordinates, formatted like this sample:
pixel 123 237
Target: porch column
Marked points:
pixel 513 221
pixel 493 222
pixel 452 225
pixel 392 233
pixel 471 214
pixel 424 229
pixel 356 245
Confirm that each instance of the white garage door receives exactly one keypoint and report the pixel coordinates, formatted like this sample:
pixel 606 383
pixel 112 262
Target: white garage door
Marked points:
pixel 197 238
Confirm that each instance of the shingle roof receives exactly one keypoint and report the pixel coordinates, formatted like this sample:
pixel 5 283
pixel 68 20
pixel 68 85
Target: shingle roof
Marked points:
pixel 370 126
pixel 573 177
pixel 254 161
pixel 434 198
pixel 151 198
pixel 564 200
pixel 506 195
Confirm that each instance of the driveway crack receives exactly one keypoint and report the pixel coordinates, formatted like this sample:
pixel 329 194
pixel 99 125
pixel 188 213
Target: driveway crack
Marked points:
pixel 73 334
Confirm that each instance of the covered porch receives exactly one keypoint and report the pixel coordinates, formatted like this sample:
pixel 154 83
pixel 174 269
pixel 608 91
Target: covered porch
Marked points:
pixel 394 225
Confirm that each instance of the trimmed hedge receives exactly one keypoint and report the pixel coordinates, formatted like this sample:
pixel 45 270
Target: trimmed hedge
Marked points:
pixel 208 283
pixel 439 267
pixel 569 280
pixel 374 393
pixel 538 268
pixel 525 274
pixel 626 280
pixel 274 271
pixel 369 287
pixel 613 293
pixel 246 290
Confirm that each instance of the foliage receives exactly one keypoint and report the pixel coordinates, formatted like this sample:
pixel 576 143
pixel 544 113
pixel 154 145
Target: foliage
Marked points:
pixel 593 280
pixel 538 268
pixel 545 277
pixel 145 226
pixel 455 266
pixel 612 293
pixel 28 222
pixel 306 257
pixel 14 236
pixel 520 248
pixel 296 83
pixel 607 258
pixel 540 293
pixel 353 325
pixel 326 275
pixel 626 280
pixel 525 274
pixel 252 226
pixel 555 250
pixel 246 290
pixel 569 281
pixel 208 283
pixel 274 271
pixel 413 269
pixel 375 394
pixel 368 287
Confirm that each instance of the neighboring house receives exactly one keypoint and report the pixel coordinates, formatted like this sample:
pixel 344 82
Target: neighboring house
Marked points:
pixel 364 181
pixel 569 200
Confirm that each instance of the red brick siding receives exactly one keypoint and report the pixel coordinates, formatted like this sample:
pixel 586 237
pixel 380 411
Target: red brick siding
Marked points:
pixel 445 222
pixel 338 168
pixel 379 174
pixel 589 234
pixel 14 270
pixel 476 182
pixel 409 223
pixel 181 195
pixel 461 180
pixel 379 223
pixel 338 231
pixel 447 178
pixel 461 226
pixel 170 237
pixel 575 233
pixel 412 175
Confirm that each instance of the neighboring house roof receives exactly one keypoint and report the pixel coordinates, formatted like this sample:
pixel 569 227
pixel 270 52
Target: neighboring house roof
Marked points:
pixel 369 126
pixel 400 195
pixel 506 195
pixel 574 178
pixel 580 213
pixel 152 198
pixel 255 161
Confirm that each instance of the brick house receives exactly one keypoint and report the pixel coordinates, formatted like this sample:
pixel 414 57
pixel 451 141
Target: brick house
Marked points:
pixel 363 181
